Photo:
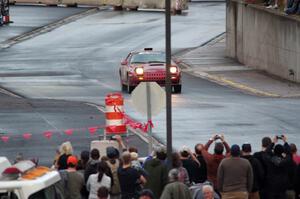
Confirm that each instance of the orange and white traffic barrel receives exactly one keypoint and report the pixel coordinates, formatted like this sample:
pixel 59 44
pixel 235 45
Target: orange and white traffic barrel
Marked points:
pixel 114 114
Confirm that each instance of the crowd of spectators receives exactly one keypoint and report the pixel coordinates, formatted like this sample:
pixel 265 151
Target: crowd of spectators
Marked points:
pixel 227 173
pixel 287 6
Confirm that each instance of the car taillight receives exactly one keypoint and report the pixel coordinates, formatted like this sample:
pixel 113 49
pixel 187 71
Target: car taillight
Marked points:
pixel 139 71
pixel 173 69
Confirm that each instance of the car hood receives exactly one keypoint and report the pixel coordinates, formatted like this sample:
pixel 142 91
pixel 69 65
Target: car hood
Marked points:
pixel 151 67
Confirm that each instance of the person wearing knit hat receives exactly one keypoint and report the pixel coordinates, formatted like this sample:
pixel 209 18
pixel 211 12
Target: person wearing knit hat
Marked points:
pixel 232 170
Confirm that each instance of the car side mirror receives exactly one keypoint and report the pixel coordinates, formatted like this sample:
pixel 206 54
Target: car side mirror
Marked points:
pixel 124 62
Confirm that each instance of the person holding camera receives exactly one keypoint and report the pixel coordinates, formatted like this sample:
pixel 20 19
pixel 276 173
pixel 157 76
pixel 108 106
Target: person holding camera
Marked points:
pixel 279 164
pixel 213 160
pixel 189 162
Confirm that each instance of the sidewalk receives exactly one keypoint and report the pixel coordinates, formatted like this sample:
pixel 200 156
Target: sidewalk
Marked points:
pixel 209 62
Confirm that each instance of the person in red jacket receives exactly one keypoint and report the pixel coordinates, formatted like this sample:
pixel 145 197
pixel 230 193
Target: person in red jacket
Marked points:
pixel 213 160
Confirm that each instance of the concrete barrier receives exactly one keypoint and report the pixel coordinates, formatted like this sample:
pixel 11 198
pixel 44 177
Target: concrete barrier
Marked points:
pixel 46 2
pixel 69 3
pixel 49 2
pixel 113 2
pixel 90 2
pixel 264 39
pixel 131 4
pixel 158 4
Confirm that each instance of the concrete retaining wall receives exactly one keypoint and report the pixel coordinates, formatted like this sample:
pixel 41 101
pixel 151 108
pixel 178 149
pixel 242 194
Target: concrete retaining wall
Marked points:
pixel 263 39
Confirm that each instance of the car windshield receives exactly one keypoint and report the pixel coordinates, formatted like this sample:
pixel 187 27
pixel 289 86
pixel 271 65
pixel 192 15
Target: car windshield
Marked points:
pixel 148 58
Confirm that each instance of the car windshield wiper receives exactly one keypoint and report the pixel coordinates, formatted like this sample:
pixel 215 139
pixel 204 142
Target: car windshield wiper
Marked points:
pixel 139 62
pixel 156 62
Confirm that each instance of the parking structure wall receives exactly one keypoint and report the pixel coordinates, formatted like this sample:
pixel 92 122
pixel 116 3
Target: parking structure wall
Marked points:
pixel 263 39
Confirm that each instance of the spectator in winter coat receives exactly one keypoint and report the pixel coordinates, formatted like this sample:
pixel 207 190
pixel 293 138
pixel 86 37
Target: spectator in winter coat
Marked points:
pixel 92 165
pixel 203 191
pixel 258 172
pixel 296 157
pixel 297 182
pixel 183 175
pixel 265 142
pixel 189 162
pixel 128 178
pixel 84 159
pixel 175 189
pixel 213 160
pixel 208 192
pixel 75 180
pixel 201 171
pixel 100 179
pixel 278 164
pixel 235 176
pixel 114 163
pixel 135 163
pixel 292 167
pixel 65 151
pixel 292 7
pixel 157 172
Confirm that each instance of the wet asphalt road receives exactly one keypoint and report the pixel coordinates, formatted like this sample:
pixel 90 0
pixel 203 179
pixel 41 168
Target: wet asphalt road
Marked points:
pixel 26 18
pixel 79 62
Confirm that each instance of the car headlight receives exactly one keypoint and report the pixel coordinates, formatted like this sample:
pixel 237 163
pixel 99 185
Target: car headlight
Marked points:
pixel 173 69
pixel 139 71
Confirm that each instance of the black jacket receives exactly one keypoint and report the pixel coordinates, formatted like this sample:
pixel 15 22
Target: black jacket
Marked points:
pixel 277 180
pixel 91 168
pixel 201 171
pixel 297 181
pixel 258 172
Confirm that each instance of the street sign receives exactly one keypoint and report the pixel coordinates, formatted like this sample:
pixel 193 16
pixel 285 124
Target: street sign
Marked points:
pixel 148 99
pixel 157 98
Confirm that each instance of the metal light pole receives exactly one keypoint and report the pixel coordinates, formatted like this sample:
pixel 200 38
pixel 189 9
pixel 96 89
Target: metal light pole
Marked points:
pixel 149 117
pixel 168 82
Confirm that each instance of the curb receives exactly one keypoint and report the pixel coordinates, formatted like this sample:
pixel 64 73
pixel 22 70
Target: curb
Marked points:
pixel 47 28
pixel 10 93
pixel 221 80
pixel 227 82
pixel 184 51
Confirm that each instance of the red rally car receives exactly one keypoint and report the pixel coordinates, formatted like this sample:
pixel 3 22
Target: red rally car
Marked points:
pixel 147 65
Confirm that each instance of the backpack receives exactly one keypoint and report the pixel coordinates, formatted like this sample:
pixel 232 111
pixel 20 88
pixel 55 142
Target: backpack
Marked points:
pixel 115 188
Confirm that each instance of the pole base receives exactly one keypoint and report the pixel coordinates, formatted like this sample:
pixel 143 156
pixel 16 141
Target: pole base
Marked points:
pixel 6 19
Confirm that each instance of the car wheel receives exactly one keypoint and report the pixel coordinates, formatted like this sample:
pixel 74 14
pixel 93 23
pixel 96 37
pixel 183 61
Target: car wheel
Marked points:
pixel 177 88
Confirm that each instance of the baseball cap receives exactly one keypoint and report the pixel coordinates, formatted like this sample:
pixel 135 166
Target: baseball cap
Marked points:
pixel 72 160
